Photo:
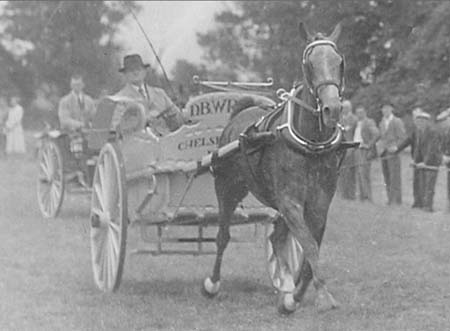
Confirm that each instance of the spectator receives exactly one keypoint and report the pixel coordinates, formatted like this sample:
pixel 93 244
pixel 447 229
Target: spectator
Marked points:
pixel 417 142
pixel 15 141
pixel 367 134
pixel 3 117
pixel 392 133
pixel 443 124
pixel 433 158
pixel 347 178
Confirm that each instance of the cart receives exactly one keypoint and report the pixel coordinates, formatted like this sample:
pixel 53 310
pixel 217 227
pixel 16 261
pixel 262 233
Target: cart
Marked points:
pixel 67 160
pixel 157 183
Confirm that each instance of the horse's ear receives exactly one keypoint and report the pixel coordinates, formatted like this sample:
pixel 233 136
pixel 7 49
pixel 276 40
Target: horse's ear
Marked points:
pixel 304 34
pixel 334 36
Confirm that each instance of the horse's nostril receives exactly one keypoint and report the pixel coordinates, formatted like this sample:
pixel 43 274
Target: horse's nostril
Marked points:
pixel 326 110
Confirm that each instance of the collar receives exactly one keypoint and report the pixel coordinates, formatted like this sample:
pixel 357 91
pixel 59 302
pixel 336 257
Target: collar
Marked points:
pixel 136 87
pixel 78 95
pixel 443 115
pixel 389 118
pixel 422 115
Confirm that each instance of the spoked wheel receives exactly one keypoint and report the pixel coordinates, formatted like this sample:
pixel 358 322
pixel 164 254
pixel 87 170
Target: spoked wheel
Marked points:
pixel 50 184
pixel 109 219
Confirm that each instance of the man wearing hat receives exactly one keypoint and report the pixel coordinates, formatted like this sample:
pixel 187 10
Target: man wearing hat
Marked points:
pixel 162 115
pixel 347 178
pixel 417 141
pixel 392 133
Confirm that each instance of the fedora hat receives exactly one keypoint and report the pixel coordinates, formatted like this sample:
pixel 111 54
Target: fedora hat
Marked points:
pixel 133 62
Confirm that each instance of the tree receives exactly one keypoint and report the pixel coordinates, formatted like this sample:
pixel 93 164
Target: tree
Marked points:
pixel 421 73
pixel 262 37
pixel 59 38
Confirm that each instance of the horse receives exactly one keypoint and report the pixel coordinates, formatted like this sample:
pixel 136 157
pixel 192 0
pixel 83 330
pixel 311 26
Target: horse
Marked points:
pixel 295 174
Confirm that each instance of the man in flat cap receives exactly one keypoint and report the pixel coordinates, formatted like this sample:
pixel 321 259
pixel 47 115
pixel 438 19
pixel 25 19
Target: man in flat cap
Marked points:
pixel 392 133
pixel 162 115
pixel 418 142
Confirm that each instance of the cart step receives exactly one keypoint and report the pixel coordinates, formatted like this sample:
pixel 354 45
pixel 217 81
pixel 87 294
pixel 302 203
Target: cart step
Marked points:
pixel 79 190
pixel 156 252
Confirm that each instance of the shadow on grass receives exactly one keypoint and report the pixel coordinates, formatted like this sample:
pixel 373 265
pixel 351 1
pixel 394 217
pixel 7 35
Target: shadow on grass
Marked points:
pixel 179 287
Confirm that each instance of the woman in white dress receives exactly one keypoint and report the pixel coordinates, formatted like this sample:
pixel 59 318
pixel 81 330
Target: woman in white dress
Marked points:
pixel 15 141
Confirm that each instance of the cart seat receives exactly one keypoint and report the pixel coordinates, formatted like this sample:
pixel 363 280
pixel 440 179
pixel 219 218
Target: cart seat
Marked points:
pixel 131 119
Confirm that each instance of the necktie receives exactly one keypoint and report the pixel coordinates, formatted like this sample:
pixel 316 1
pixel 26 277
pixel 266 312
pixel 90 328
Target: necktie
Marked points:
pixel 80 102
pixel 142 92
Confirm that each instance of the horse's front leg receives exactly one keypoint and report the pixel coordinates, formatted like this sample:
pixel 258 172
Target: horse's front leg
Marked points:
pixel 307 227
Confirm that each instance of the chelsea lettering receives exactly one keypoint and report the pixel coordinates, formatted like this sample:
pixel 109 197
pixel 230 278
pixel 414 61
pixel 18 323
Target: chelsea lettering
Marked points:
pixel 198 143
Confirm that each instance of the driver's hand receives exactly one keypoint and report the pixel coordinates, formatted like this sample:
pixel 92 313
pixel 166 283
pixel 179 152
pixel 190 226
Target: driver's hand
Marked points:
pixel 153 114
pixel 392 149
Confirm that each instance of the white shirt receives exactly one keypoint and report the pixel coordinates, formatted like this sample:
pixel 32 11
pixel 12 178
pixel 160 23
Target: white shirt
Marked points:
pixel 357 136
pixel 143 89
pixel 387 120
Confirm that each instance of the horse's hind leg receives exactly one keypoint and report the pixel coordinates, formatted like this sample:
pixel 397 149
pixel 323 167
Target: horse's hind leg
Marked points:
pixel 229 194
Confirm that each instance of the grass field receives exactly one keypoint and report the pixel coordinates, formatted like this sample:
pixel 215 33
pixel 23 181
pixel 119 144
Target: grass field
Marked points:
pixel 389 268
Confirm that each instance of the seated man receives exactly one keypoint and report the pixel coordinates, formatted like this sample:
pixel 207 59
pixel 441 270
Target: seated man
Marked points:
pixel 75 112
pixel 76 109
pixel 162 115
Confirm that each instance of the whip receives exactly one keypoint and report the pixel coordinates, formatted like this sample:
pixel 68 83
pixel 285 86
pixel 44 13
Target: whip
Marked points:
pixel 151 47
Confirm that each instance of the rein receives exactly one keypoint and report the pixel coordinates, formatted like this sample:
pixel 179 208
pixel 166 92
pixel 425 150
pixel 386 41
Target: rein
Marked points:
pixel 286 130
pixel 306 72
pixel 291 97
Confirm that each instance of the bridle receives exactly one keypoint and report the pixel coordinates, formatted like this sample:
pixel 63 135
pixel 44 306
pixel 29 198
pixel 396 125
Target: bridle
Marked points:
pixel 307 72
pixel 314 89
pixel 287 130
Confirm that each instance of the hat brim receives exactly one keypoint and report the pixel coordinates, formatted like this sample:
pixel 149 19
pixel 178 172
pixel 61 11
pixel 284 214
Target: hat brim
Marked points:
pixel 123 69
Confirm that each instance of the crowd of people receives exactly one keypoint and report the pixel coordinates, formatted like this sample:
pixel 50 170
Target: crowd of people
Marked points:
pixel 385 142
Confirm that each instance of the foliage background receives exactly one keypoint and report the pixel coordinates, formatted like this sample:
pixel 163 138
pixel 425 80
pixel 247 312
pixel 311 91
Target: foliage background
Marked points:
pixel 395 50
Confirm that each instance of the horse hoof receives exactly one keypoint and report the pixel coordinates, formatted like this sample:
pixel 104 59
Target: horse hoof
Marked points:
pixel 210 289
pixel 287 304
pixel 325 301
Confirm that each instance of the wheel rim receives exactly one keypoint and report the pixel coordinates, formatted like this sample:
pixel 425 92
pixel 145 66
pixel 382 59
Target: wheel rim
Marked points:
pixel 50 187
pixel 108 220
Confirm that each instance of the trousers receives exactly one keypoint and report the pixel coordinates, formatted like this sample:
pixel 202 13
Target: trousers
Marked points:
pixel 391 167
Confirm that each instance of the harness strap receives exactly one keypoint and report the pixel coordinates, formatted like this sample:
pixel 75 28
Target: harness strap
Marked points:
pixel 246 150
pixel 286 96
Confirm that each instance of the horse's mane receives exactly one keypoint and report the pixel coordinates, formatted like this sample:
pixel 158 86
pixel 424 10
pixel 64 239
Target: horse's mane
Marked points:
pixel 319 36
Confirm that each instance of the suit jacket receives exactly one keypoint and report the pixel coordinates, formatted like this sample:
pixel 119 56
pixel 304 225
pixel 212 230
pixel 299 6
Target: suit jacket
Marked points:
pixel 369 134
pixel 72 115
pixel 160 112
pixel 443 125
pixel 416 139
pixel 390 136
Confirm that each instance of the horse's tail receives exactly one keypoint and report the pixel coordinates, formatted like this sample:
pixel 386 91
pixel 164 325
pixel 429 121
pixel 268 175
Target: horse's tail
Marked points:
pixel 241 104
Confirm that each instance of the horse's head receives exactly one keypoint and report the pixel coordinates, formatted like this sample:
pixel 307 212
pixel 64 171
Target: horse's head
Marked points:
pixel 323 71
